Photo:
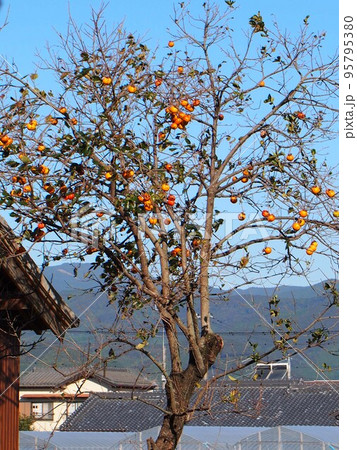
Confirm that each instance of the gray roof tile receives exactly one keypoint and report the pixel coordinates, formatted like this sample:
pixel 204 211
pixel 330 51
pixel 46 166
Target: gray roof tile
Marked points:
pixel 112 377
pixel 266 404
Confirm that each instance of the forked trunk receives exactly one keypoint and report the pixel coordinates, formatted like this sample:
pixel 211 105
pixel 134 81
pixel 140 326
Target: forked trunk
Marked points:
pixel 172 426
pixel 183 385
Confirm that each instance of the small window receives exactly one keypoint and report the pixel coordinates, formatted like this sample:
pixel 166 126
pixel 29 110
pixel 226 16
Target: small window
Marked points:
pixel 278 373
pixel 272 371
pixel 71 407
pixel 42 411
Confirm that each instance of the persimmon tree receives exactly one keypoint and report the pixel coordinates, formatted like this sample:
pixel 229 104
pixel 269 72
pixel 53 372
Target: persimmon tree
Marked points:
pixel 143 159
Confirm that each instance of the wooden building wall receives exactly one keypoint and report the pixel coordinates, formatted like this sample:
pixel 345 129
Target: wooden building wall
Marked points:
pixel 9 390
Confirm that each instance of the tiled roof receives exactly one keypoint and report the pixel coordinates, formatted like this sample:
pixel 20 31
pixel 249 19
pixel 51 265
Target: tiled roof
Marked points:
pixel 43 307
pixel 113 378
pixel 253 404
pixel 116 412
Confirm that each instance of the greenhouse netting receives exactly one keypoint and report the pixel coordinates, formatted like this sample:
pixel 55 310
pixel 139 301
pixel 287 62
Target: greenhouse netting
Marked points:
pixel 194 438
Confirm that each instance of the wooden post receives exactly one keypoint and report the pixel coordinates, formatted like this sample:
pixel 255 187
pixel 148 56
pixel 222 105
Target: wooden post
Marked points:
pixel 9 390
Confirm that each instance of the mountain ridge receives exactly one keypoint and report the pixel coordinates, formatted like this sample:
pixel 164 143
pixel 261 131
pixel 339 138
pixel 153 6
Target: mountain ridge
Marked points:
pixel 71 281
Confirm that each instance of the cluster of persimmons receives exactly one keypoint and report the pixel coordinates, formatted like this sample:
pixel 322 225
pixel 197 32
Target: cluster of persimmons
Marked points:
pixel 270 217
pixel 179 114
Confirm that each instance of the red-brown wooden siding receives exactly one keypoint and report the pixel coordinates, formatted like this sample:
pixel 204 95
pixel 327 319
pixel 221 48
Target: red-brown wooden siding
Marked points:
pixel 9 391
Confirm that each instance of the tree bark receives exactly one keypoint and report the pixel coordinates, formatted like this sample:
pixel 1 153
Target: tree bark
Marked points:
pixel 184 384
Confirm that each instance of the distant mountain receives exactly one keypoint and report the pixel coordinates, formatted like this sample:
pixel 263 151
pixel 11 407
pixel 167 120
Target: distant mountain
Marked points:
pixel 241 317
pixel 69 277
pixel 239 310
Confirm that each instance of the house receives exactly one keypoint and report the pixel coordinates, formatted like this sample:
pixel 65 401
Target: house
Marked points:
pixel 27 302
pixel 260 414
pixel 51 395
pixel 243 404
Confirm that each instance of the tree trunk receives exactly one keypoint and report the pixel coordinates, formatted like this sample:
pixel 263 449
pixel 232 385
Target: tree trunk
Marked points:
pixel 170 433
pixel 183 385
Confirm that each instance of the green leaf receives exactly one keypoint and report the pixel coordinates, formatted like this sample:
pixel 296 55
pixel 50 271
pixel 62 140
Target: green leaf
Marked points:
pixel 256 22
pixel 25 159
pixel 12 163
pixel 64 75
pixel 141 345
pixel 84 72
pixel 269 100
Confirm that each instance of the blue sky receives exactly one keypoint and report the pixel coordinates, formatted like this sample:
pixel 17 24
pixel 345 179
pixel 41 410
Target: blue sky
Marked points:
pixel 33 25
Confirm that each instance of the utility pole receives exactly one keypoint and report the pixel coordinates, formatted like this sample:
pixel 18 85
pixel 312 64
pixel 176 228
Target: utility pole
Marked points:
pixel 163 379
